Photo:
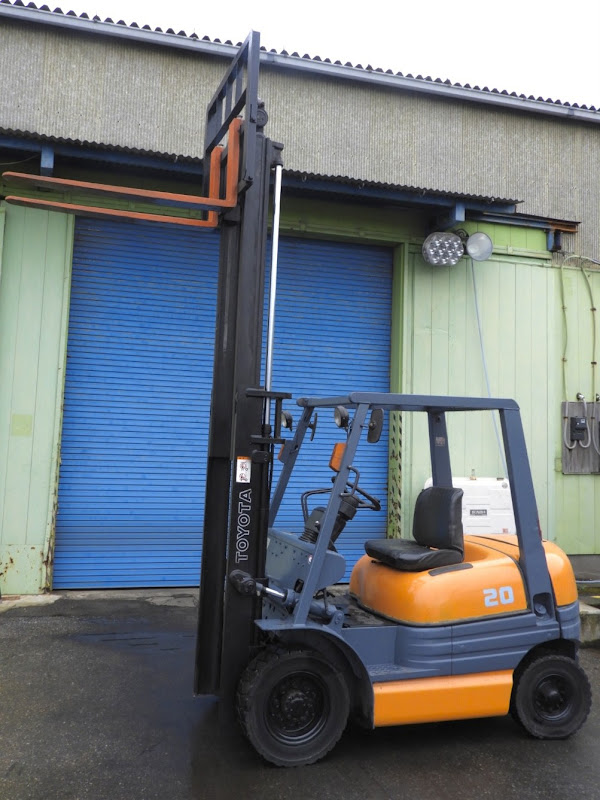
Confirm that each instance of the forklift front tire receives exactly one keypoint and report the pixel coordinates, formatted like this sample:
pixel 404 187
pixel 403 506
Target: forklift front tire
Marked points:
pixel 293 705
pixel 551 697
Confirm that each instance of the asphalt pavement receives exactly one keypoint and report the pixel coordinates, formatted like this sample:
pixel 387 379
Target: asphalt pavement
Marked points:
pixel 96 703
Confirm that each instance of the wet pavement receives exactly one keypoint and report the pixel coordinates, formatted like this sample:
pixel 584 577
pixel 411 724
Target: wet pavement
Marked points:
pixel 96 704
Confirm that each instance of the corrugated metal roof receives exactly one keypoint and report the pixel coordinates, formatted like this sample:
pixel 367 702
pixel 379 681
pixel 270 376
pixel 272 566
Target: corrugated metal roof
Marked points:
pixel 408 81
pixel 304 177
pixel 97 145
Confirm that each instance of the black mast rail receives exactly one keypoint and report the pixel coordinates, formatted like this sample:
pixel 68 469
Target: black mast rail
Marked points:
pixel 236 95
pixel 236 510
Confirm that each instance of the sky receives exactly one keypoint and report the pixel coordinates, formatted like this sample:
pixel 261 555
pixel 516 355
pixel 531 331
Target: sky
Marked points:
pixel 543 48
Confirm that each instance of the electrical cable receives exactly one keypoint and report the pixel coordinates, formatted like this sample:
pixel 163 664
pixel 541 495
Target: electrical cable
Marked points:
pixel 589 439
pixel 20 161
pixel 565 431
pixel 485 369
pixel 594 434
pixel 573 445
pixel 595 430
pixel 565 333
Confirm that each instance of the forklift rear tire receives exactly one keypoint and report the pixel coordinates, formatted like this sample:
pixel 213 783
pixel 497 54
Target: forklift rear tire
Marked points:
pixel 293 705
pixel 551 697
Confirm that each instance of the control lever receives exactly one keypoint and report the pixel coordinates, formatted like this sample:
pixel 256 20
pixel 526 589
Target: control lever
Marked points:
pixel 247 585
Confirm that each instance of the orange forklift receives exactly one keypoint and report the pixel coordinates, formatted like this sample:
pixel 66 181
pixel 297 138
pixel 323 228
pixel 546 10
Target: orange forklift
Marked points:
pixel 439 627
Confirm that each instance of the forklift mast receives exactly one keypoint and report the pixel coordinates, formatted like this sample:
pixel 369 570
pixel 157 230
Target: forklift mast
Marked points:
pixel 239 447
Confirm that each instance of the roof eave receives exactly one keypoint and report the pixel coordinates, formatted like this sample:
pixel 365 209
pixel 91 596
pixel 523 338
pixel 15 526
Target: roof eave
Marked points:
pixel 431 88
pixel 117 30
pixel 297 63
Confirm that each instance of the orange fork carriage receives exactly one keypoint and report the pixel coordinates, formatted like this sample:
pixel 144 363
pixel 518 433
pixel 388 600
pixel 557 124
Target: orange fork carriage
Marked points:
pixel 212 203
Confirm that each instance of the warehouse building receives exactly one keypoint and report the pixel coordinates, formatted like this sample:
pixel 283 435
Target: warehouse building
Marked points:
pixel 107 325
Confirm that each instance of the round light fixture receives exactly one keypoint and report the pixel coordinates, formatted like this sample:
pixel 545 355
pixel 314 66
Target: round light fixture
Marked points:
pixel 341 417
pixel 479 246
pixel 287 421
pixel 443 249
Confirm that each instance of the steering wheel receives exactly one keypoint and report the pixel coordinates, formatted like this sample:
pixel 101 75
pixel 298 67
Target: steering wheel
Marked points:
pixel 367 501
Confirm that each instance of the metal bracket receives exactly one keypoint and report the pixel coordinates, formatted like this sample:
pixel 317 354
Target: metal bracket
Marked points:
pixel 456 215
pixel 279 397
pixel 47 160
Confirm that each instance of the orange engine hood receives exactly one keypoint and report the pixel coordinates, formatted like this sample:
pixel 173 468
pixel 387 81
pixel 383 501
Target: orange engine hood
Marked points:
pixel 488 582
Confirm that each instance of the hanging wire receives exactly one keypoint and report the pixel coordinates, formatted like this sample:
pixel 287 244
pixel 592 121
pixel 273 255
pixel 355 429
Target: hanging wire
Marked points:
pixel 21 161
pixel 565 428
pixel 589 438
pixel 594 434
pixel 485 369
pixel 593 310
pixel 565 332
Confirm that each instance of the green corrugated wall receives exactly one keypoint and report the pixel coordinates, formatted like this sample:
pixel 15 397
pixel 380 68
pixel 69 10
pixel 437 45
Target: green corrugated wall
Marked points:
pixel 435 349
pixel 34 289
pixel 522 325
pixel 577 496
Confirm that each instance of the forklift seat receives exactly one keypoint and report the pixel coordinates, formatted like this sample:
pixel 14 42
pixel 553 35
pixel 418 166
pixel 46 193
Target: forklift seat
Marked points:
pixel 437 531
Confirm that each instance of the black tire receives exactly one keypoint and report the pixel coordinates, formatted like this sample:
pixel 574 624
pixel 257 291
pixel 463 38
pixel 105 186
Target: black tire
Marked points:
pixel 293 705
pixel 551 697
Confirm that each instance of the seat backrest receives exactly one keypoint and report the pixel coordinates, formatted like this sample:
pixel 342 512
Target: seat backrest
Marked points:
pixel 438 519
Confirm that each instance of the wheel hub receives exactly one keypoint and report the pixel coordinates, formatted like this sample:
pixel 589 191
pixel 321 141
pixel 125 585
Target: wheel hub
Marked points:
pixel 296 707
pixel 552 697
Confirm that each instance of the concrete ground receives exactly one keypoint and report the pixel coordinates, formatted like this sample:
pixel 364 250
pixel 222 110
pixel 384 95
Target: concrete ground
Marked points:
pixel 96 704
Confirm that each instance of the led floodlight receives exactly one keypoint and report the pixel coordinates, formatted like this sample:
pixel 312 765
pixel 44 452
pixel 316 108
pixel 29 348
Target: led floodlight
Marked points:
pixel 443 249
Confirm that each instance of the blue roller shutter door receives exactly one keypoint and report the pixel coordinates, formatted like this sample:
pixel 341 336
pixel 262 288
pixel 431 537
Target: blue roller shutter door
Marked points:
pixel 332 331
pixel 137 391
pixel 133 455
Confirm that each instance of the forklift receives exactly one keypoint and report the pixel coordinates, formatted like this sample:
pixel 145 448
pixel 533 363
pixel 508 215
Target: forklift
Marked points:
pixel 443 626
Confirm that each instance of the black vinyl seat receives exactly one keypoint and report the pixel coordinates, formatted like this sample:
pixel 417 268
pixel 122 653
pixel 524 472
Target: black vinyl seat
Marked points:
pixel 437 531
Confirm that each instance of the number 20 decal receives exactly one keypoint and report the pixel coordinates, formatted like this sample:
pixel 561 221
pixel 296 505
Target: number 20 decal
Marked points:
pixel 503 596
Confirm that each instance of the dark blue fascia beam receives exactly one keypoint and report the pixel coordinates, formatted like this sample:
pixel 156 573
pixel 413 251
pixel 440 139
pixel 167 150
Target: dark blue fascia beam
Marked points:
pixel 554 227
pixel 527 221
pixel 111 157
pixel 478 210
pixel 420 199
pixel 417 199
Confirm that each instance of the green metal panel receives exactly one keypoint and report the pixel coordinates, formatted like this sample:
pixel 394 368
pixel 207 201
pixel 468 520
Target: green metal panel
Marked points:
pixel 34 285
pixel 442 356
pixel 577 496
pixel 322 219
pixel 2 219
pixel 521 313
